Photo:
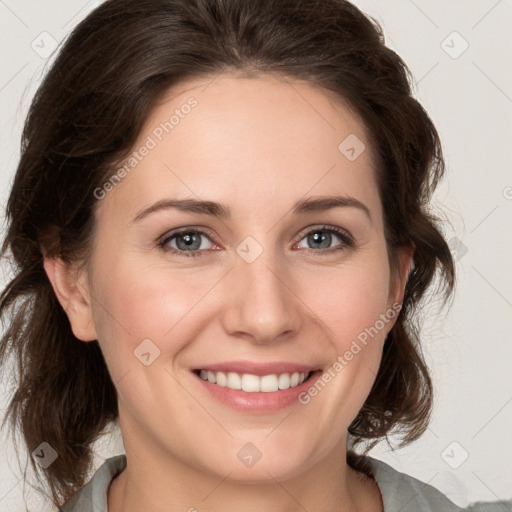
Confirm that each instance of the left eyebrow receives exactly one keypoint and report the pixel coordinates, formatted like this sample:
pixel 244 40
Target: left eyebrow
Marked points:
pixel 324 203
pixel 302 207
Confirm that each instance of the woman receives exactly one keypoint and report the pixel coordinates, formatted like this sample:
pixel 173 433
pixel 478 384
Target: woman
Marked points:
pixel 181 161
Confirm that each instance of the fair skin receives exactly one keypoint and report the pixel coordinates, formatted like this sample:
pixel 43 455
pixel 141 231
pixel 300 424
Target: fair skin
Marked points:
pixel 257 146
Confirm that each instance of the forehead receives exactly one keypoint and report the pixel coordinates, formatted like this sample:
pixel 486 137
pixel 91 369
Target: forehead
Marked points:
pixel 244 141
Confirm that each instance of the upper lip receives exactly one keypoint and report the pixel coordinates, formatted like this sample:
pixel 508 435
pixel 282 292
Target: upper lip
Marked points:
pixel 255 368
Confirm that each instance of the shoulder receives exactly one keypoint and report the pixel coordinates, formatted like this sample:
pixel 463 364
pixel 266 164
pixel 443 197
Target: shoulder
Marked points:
pixel 404 493
pixel 93 496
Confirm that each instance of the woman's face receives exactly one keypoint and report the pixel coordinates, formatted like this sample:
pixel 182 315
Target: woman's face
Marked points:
pixel 259 284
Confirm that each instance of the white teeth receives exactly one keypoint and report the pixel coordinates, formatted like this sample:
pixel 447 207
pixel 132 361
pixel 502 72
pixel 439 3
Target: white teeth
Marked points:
pixel 250 383
pixel 254 383
pixel 284 381
pixel 269 383
pixel 234 381
pixel 222 379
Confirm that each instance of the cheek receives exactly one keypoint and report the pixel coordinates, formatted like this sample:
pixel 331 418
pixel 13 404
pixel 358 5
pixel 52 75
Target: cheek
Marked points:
pixel 352 303
pixel 148 302
pixel 136 301
pixel 350 299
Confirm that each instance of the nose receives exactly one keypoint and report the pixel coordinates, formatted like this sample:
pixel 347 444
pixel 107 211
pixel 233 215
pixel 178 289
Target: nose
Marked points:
pixel 262 305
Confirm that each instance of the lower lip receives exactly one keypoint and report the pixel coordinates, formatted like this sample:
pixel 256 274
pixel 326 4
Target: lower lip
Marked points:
pixel 258 402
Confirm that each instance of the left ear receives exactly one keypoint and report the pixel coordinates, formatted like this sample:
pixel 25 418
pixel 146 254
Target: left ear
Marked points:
pixel 398 281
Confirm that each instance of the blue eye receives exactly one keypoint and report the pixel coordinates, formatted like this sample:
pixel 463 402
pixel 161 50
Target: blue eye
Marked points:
pixel 188 242
pixel 324 236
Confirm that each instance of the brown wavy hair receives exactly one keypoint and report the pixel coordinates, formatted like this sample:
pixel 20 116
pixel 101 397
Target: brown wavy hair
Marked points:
pixel 86 115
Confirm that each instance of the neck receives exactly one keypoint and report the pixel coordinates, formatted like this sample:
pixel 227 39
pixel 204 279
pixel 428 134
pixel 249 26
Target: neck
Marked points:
pixel 156 484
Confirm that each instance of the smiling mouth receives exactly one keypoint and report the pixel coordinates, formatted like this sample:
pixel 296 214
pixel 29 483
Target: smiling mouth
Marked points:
pixel 255 383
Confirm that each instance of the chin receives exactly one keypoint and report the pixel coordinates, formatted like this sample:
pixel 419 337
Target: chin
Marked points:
pixel 251 465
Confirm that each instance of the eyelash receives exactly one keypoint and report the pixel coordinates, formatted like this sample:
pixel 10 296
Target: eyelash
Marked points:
pixel 347 241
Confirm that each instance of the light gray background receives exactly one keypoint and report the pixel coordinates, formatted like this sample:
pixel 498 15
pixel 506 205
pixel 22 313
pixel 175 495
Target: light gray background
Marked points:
pixel 469 348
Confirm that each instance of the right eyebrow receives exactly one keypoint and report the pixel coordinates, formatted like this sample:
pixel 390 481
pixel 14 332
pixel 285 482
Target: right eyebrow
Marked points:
pixel 187 205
